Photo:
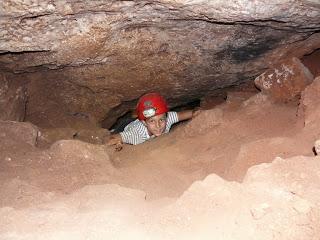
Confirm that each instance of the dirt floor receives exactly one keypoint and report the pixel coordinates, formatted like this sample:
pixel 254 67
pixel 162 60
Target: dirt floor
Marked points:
pixel 192 183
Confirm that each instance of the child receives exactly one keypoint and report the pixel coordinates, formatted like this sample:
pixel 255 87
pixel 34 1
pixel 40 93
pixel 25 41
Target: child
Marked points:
pixel 154 119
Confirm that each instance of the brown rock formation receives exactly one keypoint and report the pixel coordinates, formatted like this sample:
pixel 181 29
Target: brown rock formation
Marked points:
pixel 91 58
pixel 13 133
pixel 76 190
pixel 230 173
pixel 12 100
pixel 285 81
pixel 310 103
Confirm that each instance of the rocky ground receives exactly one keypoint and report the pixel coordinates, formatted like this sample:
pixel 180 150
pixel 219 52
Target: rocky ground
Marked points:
pixel 245 169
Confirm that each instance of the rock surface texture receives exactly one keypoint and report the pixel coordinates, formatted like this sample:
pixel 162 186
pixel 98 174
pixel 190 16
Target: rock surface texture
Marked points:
pixel 286 81
pixel 13 100
pixel 84 61
pixel 249 168
pixel 310 101
pixel 75 190
pixel 171 187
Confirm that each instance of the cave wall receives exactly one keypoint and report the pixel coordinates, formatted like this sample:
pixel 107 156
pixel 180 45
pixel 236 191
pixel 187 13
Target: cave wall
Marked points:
pixel 13 99
pixel 84 62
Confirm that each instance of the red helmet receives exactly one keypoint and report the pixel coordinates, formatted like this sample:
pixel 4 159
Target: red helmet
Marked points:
pixel 151 104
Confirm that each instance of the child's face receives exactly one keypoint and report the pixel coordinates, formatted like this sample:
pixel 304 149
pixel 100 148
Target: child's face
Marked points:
pixel 156 125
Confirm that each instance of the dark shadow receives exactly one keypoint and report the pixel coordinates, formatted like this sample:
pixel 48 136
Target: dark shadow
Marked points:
pixel 122 122
pixel 314 151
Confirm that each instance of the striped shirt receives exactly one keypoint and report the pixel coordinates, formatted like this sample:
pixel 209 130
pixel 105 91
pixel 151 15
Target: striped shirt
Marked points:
pixel 136 132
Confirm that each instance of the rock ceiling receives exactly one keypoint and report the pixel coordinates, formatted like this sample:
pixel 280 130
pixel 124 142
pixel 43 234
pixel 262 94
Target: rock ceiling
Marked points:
pixel 95 58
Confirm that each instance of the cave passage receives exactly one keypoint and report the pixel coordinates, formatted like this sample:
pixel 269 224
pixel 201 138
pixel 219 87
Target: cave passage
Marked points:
pixel 246 166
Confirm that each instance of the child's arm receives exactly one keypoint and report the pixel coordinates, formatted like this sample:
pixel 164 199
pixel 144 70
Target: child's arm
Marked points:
pixel 187 114
pixel 129 137
pixel 114 140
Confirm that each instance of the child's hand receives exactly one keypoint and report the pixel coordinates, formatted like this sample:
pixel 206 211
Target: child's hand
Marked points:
pixel 115 140
pixel 119 147
pixel 196 112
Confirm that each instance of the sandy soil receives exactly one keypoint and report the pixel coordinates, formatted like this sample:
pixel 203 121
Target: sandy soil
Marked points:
pixel 193 183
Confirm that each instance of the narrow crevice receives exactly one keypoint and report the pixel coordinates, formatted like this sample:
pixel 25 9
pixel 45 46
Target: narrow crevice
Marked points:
pixel 258 23
pixel 5 52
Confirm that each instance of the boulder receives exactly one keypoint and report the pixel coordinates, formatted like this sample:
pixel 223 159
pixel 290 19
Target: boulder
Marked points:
pixel 285 81
pixel 12 100
pixel 71 152
pixel 18 132
pixel 203 121
pixel 309 106
pixel 317 147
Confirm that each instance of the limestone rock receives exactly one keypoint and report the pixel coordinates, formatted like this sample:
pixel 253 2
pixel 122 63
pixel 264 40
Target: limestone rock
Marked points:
pixel 303 206
pixel 238 97
pixel 12 100
pixel 311 61
pixel 78 163
pixel 260 210
pixel 74 152
pixel 49 136
pixel 209 102
pixel 285 81
pixel 91 57
pixel 317 147
pixel 18 132
pixel 310 103
pixel 196 126
pixel 94 136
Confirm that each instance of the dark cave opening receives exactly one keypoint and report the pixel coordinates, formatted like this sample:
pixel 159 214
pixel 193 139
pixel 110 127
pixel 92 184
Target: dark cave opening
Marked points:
pixel 312 61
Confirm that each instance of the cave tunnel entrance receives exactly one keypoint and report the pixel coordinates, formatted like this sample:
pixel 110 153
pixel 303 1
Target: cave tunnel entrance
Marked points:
pixel 130 115
pixel 312 61
pixel 209 100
